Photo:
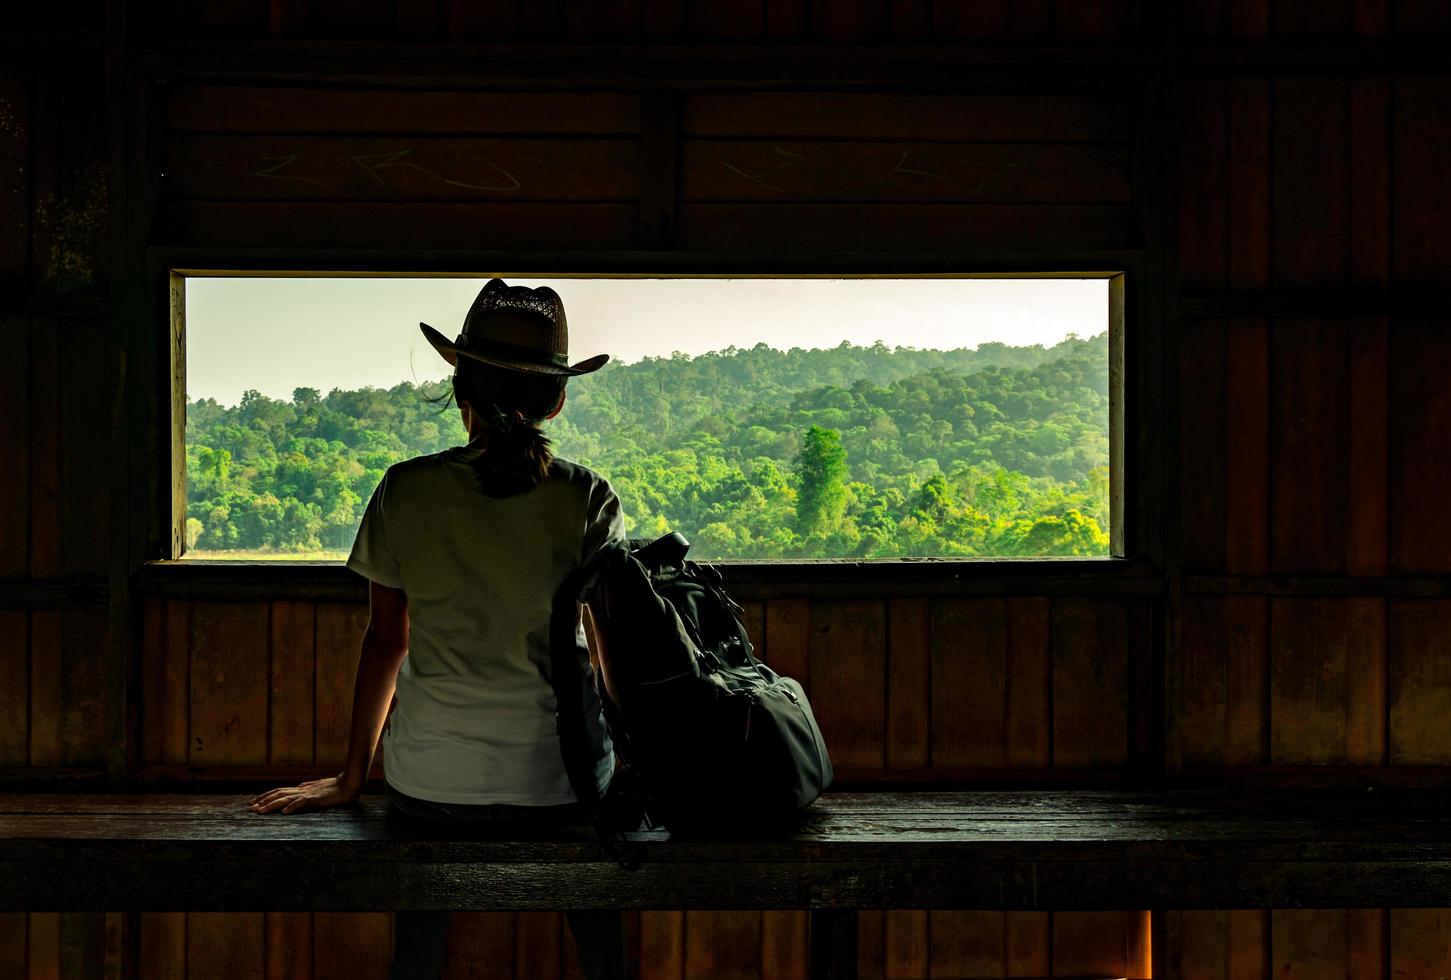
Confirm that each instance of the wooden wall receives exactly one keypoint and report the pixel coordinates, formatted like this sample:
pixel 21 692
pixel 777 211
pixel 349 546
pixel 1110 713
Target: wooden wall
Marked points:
pixel 1269 173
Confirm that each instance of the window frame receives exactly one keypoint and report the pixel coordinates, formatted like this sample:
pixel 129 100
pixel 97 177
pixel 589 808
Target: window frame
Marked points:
pixel 1133 555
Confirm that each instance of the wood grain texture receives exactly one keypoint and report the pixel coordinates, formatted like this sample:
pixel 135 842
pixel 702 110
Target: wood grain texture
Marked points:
pixel 1420 682
pixel 1420 943
pixel 45 449
pixel 1090 683
pixel 537 944
pixel 662 945
pixel 784 949
pixel 1028 723
pixel 848 663
pixel 1421 221
pixel 965 944
pixel 199 107
pixel 291 696
pixel 86 458
pixel 1247 445
pixel 906 116
pixel 1247 184
pixel 822 170
pixel 15 86
pixel 479 944
pixel 1368 376
pixel 1370 179
pixel 43 944
pixel 909 668
pixel 788 643
pixel 1327 944
pixel 906 944
pixel 1204 447
pixel 1309 421
pixel 47 688
pixel 15 439
pixel 225 944
pixel 228 722
pixel 1101 944
pixel 1327 688
pixel 1311 182
pixel 84 649
pixel 723 944
pixel 14 687
pixel 1420 448
pixel 1203 188
pixel 1218 945
pixel 1224 674
pixel 339 645
pixel 289 938
pixel 162 950
pixel 969 682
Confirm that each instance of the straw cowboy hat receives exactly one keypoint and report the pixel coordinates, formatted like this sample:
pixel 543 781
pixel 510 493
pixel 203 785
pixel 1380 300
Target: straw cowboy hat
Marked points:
pixel 537 342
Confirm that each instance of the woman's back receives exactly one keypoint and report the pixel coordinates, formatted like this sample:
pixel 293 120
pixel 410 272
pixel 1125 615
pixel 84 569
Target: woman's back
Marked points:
pixel 474 721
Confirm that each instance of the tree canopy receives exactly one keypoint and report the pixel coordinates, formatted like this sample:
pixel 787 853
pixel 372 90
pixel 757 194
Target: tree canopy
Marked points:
pixel 751 453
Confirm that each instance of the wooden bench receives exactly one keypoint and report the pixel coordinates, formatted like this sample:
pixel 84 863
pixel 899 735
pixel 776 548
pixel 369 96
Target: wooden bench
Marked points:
pixel 1036 850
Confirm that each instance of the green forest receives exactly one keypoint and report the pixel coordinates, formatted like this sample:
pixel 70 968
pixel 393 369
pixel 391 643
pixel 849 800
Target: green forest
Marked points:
pixel 845 452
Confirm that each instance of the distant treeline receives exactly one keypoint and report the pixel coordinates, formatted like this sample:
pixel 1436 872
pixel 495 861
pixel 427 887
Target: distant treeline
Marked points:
pixel 757 453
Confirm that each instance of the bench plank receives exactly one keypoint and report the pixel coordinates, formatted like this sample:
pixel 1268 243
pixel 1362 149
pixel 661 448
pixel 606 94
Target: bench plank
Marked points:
pixel 1026 850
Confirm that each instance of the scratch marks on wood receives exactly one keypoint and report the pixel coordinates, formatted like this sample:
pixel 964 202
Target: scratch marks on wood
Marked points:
pixel 792 158
pixel 373 162
pixel 284 161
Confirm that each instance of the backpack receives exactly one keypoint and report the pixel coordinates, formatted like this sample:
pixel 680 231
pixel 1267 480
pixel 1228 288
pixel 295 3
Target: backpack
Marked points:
pixel 712 740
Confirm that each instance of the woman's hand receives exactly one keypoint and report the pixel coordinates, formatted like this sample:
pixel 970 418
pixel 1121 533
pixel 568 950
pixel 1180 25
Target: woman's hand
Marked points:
pixel 319 793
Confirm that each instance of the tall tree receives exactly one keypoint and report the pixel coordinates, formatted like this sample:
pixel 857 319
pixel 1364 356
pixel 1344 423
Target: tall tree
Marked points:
pixel 821 474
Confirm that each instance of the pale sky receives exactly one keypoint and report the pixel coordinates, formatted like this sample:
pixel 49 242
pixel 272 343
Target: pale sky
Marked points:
pixel 277 334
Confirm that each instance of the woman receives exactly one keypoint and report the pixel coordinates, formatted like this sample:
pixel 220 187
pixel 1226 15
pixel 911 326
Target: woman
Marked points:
pixel 472 554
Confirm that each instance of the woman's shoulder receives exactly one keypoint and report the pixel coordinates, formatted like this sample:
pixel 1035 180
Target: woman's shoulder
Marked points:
pixel 568 471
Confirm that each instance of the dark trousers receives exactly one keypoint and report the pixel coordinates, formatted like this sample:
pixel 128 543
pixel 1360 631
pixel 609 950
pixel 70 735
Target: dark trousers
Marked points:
pixel 419 944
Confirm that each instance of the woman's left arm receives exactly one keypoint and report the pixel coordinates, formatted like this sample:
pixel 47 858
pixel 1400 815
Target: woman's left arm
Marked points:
pixel 385 644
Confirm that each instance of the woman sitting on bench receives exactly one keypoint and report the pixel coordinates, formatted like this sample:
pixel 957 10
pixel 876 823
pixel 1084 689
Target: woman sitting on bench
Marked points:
pixel 469 552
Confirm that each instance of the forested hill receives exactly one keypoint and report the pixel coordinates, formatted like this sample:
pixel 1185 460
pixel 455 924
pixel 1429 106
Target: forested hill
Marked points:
pixel 848 451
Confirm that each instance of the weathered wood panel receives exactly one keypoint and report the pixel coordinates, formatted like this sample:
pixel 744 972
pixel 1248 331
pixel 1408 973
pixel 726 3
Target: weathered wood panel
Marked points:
pixel 228 721
pixel 15 437
pixel 1224 680
pixel 1420 447
pixel 293 669
pixel 289 945
pixel 14 688
pixel 1217 945
pixel 969 683
pixel 848 660
pixel 1422 217
pixel 339 644
pixel 1327 944
pixel 1246 440
pixel 1420 682
pixel 357 945
pixel 723 944
pixel 1204 448
pixel 909 685
pixel 1090 683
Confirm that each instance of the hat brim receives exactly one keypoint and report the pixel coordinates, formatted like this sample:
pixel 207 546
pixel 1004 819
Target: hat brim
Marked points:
pixel 451 352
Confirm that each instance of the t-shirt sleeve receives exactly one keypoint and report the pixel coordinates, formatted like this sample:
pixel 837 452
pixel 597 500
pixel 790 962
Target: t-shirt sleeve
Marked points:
pixel 373 557
pixel 604 526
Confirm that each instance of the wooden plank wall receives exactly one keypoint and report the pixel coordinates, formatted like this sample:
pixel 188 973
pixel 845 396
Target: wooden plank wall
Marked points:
pixel 58 386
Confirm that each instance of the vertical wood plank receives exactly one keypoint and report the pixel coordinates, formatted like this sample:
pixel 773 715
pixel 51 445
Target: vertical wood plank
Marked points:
pixel 85 459
pixel 1370 177
pixel 965 943
pixel 1309 446
pixel 724 944
pixel 788 632
pixel 784 949
pixel 162 950
pixel 339 643
pixel 12 944
pixel 1204 449
pixel 1248 184
pixel 1217 945
pixel 1028 944
pixel 83 694
pixel 1420 449
pixel 1028 724
pixel 1326 692
pixel 175 707
pixel 1090 687
pixel 228 684
pixel 909 633
pixel 1311 182
pixel 82 944
pixel 15 436
pixel 47 688
pixel 225 944
pixel 536 944
pixel 1203 183
pixel 662 945
pixel 906 945
pixel 848 664
pixel 1368 462
pixel 1100 944
pixel 291 689
pixel 969 681
pixel 480 945
pixel 1420 681
pixel 15 172
pixel 1321 944
pixel 754 617
pixel 289 945
pixel 14 687
pixel 1420 941
pixel 45 450
pixel 1421 221
pixel 871 944
pixel 43 946
pixel 1247 461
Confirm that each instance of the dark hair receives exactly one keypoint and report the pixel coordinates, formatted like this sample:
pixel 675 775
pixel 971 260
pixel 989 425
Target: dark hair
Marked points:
pixel 510 404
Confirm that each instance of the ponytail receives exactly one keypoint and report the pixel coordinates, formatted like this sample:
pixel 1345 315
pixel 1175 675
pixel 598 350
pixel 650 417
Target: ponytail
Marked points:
pixel 517 455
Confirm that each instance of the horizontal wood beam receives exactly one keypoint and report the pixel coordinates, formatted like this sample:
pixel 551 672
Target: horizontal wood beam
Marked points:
pixel 1318 303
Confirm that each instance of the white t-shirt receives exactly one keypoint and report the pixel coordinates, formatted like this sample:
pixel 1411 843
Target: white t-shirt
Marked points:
pixel 474 722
